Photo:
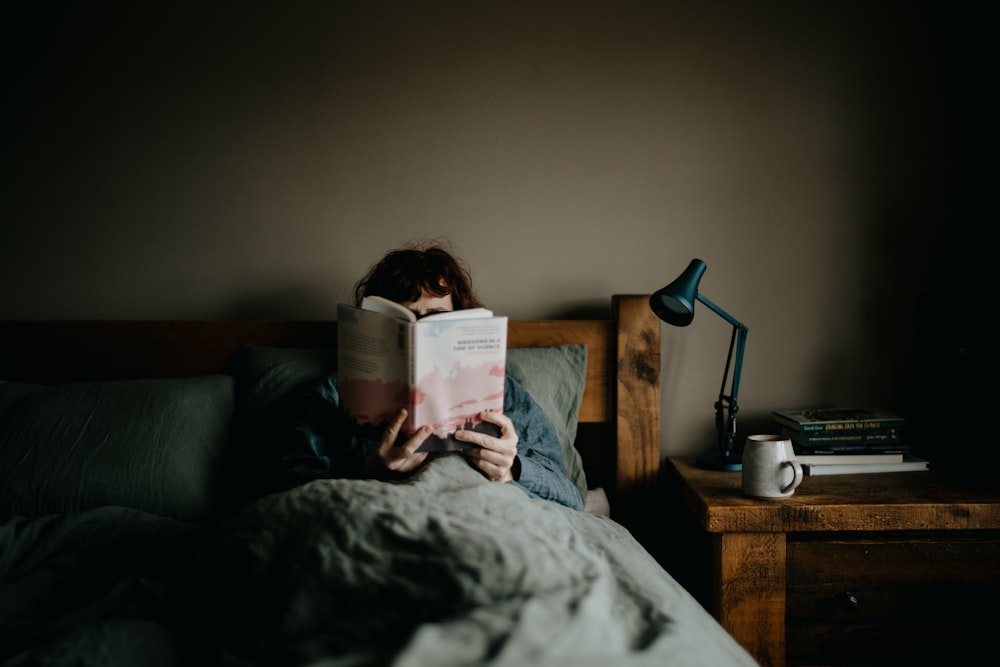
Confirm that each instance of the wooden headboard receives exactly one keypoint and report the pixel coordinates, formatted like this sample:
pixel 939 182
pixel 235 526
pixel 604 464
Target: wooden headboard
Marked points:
pixel 619 431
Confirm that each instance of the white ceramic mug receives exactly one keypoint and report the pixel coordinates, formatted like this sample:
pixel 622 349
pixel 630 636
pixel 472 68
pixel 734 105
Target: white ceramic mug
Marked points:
pixel 769 467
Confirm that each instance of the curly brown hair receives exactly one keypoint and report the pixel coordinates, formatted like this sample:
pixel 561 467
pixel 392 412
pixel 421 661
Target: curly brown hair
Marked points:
pixel 404 273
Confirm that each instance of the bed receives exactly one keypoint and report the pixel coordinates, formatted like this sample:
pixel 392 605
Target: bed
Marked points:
pixel 119 543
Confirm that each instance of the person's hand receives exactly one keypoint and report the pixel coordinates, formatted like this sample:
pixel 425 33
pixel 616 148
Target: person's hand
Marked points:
pixel 494 457
pixel 399 459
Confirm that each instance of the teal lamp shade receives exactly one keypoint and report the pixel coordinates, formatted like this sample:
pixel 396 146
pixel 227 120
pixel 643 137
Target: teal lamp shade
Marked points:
pixel 674 304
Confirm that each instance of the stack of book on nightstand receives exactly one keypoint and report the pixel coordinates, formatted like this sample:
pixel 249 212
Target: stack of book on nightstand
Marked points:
pixel 844 441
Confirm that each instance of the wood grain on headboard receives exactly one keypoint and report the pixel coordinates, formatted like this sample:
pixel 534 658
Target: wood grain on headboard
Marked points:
pixel 619 417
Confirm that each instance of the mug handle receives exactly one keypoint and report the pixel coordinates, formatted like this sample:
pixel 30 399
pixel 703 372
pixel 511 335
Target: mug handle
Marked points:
pixel 797 475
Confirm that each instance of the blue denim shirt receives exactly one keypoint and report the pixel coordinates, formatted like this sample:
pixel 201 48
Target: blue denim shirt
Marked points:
pixel 321 444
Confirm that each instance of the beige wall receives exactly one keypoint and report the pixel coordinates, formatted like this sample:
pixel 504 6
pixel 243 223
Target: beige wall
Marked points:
pixel 224 163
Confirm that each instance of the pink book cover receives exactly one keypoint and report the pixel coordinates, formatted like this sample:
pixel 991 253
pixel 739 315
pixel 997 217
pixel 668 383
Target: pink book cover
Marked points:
pixel 446 372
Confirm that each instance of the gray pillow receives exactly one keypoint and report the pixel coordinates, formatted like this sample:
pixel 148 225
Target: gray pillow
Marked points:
pixel 155 445
pixel 264 375
pixel 554 376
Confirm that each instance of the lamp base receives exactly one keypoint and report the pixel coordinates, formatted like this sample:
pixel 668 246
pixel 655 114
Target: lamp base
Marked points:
pixel 727 461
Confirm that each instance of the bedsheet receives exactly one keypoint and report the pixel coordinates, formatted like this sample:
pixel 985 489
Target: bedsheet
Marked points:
pixel 442 569
pixel 97 587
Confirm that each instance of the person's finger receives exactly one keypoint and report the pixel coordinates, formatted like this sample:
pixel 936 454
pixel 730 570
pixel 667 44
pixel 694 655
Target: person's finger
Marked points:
pixel 499 419
pixel 495 472
pixel 411 446
pixel 392 431
pixel 507 439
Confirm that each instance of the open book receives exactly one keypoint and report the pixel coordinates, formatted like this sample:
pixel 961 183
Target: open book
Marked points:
pixel 444 368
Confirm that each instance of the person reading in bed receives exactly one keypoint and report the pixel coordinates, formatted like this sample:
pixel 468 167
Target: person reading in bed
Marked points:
pixel 527 453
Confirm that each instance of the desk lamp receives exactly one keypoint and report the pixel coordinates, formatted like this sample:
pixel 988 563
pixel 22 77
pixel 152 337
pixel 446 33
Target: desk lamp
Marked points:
pixel 674 304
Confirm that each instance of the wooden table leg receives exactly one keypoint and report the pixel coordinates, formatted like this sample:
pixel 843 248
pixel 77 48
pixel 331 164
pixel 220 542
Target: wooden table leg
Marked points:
pixel 749 576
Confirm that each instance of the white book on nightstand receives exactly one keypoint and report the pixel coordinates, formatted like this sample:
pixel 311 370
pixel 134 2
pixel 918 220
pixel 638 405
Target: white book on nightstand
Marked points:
pixel 840 459
pixel 909 463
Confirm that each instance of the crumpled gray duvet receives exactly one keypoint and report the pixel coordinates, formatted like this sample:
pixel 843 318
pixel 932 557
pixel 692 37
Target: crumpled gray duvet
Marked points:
pixel 442 569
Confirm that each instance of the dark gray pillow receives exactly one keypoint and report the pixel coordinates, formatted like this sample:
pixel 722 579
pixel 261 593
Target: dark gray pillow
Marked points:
pixel 264 375
pixel 155 445
pixel 555 377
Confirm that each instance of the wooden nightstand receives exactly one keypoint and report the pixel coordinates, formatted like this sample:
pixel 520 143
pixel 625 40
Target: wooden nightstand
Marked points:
pixel 898 568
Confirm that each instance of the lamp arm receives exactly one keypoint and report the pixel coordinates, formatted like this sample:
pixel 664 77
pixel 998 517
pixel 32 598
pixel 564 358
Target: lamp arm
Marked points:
pixel 718 311
pixel 740 331
pixel 727 407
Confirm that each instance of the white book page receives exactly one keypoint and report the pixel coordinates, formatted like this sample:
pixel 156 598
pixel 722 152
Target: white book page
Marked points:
pixel 467 314
pixel 380 304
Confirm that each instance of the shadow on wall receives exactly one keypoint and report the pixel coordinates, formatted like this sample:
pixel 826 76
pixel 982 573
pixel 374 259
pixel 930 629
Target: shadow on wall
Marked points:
pixel 951 387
